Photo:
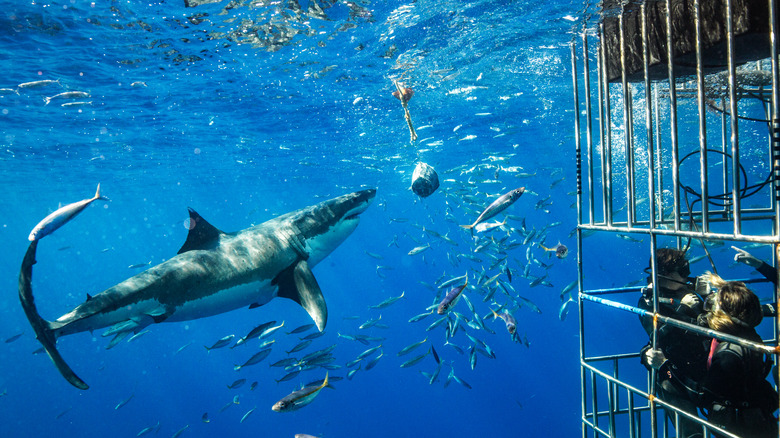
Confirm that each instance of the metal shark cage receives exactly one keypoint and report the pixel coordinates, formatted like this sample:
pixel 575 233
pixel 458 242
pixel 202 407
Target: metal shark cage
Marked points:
pixel 677 123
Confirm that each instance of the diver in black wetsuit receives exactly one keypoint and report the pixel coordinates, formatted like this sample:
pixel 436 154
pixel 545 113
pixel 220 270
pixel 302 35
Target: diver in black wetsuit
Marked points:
pixel 734 392
pixel 686 351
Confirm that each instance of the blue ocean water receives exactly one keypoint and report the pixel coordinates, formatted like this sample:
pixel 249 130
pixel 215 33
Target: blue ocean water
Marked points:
pixel 245 110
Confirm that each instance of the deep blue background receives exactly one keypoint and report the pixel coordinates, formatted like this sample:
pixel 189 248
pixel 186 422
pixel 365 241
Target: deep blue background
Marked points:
pixel 241 133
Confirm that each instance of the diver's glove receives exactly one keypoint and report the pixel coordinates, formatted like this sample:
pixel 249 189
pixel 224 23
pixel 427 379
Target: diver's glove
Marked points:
pixel 691 305
pixel 745 257
pixel 655 358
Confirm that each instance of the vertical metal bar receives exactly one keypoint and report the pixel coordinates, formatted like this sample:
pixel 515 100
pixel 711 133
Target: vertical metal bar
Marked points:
pixel 615 402
pixel 577 142
pixel 775 134
pixel 579 195
pixel 588 126
pixel 594 404
pixel 648 118
pixel 724 132
pixel 581 311
pixel 654 337
pixel 703 168
pixel 659 162
pixel 611 412
pixel 602 135
pixel 735 175
pixel 673 116
pixel 676 420
pixel 632 424
pixel 606 138
pixel 627 125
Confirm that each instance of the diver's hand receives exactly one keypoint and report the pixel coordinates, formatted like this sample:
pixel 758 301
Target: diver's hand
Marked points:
pixel 691 301
pixel 655 358
pixel 745 257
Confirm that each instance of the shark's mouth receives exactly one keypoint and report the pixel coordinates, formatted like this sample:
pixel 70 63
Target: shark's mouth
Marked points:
pixel 365 197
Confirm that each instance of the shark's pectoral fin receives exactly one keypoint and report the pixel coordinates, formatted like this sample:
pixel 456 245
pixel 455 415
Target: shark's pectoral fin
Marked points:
pixel 117 339
pixel 202 235
pixel 298 284
pixel 135 324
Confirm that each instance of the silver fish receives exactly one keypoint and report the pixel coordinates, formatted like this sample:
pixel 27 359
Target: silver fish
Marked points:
pixel 299 398
pixel 451 298
pixel 247 414
pixel 124 402
pixel 221 342
pixel 36 84
pixel 178 433
pixel 564 311
pixel 411 347
pixel 415 360
pixel 67 95
pixel 419 249
pixel 62 216
pixel 256 358
pixel 497 206
pixel 387 302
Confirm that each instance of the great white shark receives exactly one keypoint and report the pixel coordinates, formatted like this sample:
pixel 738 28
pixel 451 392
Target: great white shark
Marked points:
pixel 213 272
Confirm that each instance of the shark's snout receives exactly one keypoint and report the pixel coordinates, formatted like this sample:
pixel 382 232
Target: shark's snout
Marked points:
pixel 362 200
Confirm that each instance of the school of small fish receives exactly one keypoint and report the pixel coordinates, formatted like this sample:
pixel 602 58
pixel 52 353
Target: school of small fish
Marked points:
pixel 491 269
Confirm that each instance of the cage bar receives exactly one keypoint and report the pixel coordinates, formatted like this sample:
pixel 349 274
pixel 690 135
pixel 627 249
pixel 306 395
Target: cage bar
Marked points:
pixel 692 77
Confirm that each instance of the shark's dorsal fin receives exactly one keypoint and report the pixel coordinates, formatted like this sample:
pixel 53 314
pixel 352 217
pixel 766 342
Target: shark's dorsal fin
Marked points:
pixel 202 234
pixel 298 284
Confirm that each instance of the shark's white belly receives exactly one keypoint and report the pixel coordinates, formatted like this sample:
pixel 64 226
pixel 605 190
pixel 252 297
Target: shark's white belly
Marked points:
pixel 260 292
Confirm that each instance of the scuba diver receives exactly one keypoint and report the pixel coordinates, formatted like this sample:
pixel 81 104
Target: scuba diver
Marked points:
pixel 734 392
pixel 686 350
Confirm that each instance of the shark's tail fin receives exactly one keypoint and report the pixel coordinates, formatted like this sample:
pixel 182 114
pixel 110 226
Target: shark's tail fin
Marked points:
pixel 44 331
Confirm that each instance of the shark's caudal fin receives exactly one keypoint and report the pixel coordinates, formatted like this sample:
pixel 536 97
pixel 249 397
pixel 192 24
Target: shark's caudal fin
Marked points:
pixel 298 284
pixel 44 331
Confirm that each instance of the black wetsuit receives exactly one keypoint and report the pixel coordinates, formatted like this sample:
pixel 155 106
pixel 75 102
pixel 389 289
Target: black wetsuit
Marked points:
pixel 735 392
pixel 768 271
pixel 686 352
pixel 685 349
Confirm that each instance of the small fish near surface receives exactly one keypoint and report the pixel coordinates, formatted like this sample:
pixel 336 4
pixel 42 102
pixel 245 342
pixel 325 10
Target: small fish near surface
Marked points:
pixel 299 398
pixel 38 84
pixel 67 95
pixel 214 272
pixel 63 215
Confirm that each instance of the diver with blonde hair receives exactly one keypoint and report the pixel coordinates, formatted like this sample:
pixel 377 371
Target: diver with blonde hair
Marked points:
pixel 734 392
